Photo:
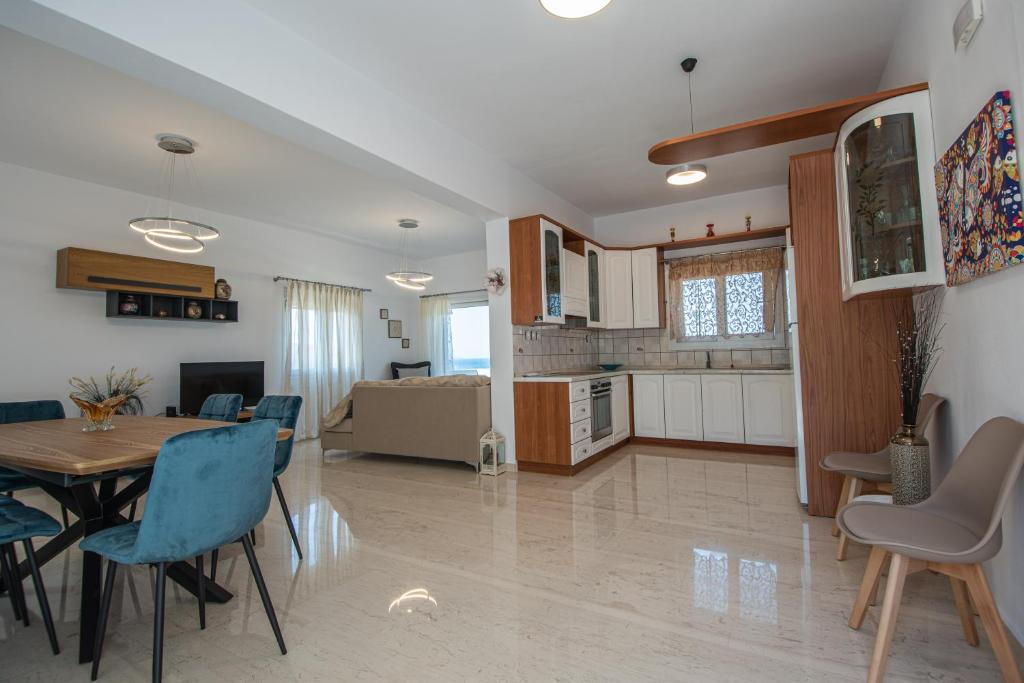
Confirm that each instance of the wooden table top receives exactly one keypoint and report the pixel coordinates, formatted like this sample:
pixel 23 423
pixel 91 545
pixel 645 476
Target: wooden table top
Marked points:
pixel 62 447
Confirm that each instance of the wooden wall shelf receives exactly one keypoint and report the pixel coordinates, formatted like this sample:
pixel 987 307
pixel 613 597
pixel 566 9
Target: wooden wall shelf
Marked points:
pixel 726 238
pixel 173 308
pixel 770 130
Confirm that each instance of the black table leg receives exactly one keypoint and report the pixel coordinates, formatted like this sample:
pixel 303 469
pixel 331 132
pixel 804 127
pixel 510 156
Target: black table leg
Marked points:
pixel 90 513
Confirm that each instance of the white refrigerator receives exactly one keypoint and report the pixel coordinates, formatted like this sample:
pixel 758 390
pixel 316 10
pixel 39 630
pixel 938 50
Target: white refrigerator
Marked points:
pixel 794 342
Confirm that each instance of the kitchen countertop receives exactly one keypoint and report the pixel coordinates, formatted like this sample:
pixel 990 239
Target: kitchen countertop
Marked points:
pixel 587 375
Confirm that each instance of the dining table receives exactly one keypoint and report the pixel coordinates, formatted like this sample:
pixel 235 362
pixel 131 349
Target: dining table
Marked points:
pixel 81 469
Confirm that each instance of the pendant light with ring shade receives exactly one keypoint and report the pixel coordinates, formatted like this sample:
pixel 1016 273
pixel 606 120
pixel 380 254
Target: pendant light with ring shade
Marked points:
pixel 405 277
pixel 687 174
pixel 574 9
pixel 162 229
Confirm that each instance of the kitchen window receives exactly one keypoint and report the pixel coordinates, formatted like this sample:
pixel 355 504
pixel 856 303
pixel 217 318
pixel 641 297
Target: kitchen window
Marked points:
pixel 730 298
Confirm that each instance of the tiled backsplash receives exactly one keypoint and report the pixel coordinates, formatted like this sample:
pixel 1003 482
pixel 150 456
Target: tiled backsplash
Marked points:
pixel 562 349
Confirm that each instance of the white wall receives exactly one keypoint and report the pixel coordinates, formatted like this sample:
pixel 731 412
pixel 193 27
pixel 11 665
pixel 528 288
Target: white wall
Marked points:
pixel 456 272
pixel 53 334
pixel 500 309
pixel 980 369
pixel 768 207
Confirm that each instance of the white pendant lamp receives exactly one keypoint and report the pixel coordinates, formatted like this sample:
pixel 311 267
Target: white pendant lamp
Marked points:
pixel 163 230
pixel 687 174
pixel 404 277
pixel 574 9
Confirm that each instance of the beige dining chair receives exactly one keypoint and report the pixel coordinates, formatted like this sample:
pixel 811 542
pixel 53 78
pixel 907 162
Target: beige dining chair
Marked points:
pixel 870 472
pixel 952 533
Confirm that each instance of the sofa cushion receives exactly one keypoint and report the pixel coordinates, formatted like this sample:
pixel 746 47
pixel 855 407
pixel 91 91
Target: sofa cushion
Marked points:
pixel 343 427
pixel 412 372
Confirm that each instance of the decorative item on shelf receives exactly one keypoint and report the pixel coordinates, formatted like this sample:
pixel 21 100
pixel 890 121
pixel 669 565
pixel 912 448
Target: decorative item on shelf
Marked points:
pixel 405 343
pixel 162 313
pixel 128 305
pixel 194 310
pixel 918 351
pixel 160 228
pixel 404 277
pixel 492 453
pixel 383 314
pixel 120 393
pixel 749 222
pixel 978 185
pixel 494 280
pixel 219 316
pixel 394 329
pixel 672 234
pixel 222 290
pixel 711 230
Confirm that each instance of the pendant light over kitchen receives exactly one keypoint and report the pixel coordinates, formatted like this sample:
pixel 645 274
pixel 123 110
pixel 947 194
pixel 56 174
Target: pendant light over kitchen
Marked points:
pixel 162 229
pixel 574 9
pixel 405 277
pixel 687 174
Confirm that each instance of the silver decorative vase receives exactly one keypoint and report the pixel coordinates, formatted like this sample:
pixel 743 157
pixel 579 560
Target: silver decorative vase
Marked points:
pixel 911 467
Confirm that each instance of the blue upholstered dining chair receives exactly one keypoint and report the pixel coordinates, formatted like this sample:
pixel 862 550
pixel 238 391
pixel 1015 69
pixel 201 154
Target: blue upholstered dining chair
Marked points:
pixel 27 411
pixel 285 411
pixel 222 407
pixel 19 522
pixel 209 488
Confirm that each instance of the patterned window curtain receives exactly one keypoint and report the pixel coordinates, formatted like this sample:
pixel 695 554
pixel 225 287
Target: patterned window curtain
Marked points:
pixel 436 333
pixel 722 295
pixel 323 354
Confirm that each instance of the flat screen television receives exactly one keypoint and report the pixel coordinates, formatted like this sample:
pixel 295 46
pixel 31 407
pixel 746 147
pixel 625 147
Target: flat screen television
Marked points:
pixel 199 380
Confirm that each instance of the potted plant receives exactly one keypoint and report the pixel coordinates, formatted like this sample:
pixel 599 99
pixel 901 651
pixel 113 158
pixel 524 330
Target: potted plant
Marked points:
pixel 918 351
pixel 121 393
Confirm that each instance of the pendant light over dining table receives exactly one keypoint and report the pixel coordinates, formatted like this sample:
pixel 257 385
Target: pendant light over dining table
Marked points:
pixel 687 174
pixel 162 229
pixel 404 277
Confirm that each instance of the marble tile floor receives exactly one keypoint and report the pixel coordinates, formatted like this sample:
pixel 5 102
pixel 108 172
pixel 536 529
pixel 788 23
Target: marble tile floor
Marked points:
pixel 655 564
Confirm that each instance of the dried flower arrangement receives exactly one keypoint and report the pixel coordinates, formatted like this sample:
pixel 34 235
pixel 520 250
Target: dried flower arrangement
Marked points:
pixel 918 350
pixel 127 384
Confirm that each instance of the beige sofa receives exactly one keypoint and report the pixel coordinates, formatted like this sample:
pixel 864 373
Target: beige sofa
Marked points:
pixel 444 423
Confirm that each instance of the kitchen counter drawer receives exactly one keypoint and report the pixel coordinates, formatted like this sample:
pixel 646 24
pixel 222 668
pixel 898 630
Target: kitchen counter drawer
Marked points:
pixel 579 391
pixel 581 451
pixel 580 430
pixel 579 410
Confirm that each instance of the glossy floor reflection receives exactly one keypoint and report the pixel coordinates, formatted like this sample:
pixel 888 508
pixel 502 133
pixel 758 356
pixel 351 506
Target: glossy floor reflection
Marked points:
pixel 654 564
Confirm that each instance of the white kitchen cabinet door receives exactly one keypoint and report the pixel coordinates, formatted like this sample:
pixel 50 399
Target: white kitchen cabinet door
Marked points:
pixel 769 414
pixel 619 288
pixel 649 405
pixel 552 273
pixel 575 302
pixel 597 306
pixel 644 263
pixel 722 400
pixel 620 408
pixel 683 409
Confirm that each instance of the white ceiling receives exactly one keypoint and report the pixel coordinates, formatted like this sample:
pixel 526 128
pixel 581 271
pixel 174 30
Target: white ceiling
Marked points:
pixel 63 114
pixel 576 104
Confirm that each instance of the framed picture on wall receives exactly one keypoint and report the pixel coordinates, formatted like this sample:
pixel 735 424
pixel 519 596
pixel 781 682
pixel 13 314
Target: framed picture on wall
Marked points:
pixel 405 343
pixel 394 329
pixel 383 314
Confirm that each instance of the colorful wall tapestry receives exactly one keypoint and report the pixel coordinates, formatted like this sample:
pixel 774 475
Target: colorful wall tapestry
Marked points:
pixel 978 185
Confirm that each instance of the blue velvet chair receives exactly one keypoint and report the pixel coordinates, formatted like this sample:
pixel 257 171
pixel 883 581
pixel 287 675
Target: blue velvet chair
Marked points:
pixel 27 411
pixel 222 407
pixel 209 488
pixel 285 411
pixel 19 522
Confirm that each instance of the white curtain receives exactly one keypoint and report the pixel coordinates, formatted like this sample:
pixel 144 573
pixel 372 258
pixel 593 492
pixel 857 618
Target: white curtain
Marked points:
pixel 323 355
pixel 436 333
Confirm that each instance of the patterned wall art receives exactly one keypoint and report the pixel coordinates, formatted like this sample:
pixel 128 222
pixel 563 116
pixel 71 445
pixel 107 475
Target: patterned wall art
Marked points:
pixel 978 186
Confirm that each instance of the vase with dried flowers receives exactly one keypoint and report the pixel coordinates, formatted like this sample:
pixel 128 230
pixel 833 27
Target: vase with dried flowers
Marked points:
pixel 120 393
pixel 918 351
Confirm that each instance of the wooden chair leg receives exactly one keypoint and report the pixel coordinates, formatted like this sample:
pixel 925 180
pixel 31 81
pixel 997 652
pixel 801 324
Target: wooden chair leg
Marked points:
pixel 843 495
pixel 887 619
pixel 993 623
pixel 868 586
pixel 963 608
pixel 844 540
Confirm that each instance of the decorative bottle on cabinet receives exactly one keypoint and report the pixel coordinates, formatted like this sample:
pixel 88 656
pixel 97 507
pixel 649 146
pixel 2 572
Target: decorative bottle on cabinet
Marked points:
pixel 888 214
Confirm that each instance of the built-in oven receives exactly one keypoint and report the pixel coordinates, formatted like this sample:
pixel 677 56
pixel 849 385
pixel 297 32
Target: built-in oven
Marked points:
pixel 600 409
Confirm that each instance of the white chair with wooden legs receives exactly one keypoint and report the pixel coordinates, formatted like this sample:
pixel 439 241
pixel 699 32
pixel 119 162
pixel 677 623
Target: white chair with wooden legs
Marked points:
pixel 870 472
pixel 952 533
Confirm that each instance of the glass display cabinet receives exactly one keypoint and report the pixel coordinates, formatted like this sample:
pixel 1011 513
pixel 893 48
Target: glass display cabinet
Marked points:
pixel 888 213
pixel 552 273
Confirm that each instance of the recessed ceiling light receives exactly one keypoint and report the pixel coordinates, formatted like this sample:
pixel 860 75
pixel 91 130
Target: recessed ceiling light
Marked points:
pixel 687 174
pixel 574 9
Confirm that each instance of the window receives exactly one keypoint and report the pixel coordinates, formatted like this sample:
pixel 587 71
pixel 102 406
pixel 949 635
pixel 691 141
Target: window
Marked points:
pixel 725 297
pixel 471 338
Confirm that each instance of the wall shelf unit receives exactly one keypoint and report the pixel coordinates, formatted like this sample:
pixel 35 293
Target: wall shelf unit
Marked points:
pixel 167 307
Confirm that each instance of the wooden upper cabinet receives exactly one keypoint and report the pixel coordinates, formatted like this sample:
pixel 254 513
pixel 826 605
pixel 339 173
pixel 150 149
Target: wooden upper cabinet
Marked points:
pixel 102 270
pixel 537 277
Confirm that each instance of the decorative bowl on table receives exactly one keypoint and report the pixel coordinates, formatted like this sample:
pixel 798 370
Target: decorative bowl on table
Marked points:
pixel 610 367
pixel 98 415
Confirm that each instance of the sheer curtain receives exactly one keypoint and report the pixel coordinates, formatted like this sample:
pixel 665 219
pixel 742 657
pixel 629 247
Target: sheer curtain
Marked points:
pixel 323 355
pixel 436 332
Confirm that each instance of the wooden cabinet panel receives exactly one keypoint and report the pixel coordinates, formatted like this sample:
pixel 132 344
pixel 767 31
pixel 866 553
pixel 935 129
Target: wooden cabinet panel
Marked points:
pixel 645 270
pixel 542 422
pixel 524 269
pixel 619 288
pixel 683 409
pixel 769 413
pixel 649 405
pixel 722 403
pixel 847 380
pixel 106 271
pixel 620 408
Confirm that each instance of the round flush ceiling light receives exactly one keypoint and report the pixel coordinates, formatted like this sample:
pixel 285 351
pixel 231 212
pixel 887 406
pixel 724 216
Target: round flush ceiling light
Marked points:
pixel 687 174
pixel 574 9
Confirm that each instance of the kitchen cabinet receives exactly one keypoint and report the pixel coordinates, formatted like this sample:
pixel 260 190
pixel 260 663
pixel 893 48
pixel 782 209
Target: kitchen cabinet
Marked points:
pixel 574 298
pixel 683 408
pixel 769 416
pixel 646 307
pixel 889 234
pixel 619 288
pixel 649 406
pixel 552 272
pixel 722 404
pixel 596 304
pixel 620 408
